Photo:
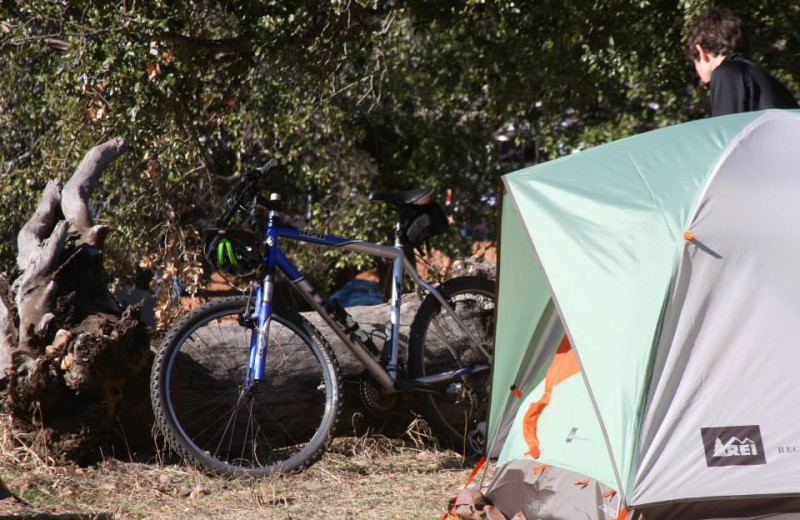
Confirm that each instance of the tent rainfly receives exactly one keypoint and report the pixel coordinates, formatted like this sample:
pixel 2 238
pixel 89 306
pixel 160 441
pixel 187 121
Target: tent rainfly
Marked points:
pixel 648 315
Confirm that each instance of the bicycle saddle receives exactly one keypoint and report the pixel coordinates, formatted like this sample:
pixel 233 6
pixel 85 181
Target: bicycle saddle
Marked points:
pixel 417 197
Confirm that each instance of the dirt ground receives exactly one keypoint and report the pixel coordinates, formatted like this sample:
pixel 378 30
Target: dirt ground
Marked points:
pixel 360 478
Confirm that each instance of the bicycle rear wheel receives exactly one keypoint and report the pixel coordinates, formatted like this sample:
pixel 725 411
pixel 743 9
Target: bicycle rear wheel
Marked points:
pixel 207 416
pixel 438 345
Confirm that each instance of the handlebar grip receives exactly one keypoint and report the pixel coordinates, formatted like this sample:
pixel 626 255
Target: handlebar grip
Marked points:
pixel 272 163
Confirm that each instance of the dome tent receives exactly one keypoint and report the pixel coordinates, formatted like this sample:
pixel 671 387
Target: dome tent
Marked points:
pixel 668 260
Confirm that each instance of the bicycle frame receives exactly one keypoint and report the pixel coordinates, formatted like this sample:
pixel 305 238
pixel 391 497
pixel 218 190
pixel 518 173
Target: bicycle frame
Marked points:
pixel 345 327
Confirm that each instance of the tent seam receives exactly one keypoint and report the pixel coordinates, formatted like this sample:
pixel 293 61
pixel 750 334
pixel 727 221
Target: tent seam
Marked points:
pixel 655 199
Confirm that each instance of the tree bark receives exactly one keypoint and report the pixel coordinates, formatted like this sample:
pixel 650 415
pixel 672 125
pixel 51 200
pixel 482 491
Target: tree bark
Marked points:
pixel 75 363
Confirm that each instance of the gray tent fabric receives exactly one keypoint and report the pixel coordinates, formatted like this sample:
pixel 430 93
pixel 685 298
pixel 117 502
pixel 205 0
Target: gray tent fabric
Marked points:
pixel 728 509
pixel 734 309
pixel 673 261
pixel 551 493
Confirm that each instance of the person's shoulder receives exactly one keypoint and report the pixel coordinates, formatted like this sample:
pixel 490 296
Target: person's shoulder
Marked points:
pixel 735 65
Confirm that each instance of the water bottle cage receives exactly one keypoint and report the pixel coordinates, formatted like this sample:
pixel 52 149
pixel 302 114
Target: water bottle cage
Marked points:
pixel 351 327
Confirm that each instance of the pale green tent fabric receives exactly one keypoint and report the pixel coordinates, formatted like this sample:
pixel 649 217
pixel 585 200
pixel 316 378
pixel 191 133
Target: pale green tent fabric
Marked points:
pixel 570 434
pixel 522 346
pixel 523 299
pixel 606 228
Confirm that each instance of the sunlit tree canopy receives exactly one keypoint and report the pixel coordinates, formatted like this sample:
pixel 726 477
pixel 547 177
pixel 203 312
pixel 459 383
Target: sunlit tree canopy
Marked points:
pixel 351 95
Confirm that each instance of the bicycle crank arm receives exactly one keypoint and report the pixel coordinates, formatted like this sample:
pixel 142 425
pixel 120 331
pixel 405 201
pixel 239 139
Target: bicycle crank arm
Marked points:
pixel 436 383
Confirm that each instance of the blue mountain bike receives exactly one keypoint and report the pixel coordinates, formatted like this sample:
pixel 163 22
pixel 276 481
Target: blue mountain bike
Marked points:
pixel 244 385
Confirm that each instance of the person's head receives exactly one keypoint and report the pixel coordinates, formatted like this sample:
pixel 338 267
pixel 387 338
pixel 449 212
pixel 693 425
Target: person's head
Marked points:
pixel 713 35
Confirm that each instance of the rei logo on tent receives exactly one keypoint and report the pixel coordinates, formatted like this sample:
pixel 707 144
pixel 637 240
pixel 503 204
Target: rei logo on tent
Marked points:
pixel 733 446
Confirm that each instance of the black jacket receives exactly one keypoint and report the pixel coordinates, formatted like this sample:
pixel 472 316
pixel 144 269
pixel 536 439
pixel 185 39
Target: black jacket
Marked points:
pixel 739 85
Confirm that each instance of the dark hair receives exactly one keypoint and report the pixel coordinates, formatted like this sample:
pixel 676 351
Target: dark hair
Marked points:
pixel 718 31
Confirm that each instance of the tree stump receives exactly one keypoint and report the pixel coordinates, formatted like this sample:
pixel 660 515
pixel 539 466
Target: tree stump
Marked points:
pixel 75 364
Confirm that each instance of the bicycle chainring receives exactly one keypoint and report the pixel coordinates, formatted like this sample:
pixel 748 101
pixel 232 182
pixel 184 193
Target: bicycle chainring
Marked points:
pixel 373 397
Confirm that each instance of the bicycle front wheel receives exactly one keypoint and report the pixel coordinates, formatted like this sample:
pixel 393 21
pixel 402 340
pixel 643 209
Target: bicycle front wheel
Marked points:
pixel 438 344
pixel 209 418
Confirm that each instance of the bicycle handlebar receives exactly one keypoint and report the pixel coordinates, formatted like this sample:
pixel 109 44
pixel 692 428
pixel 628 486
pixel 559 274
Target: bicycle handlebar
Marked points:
pixel 253 174
pixel 247 189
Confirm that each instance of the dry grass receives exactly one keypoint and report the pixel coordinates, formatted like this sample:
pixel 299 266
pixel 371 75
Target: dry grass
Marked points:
pixel 370 477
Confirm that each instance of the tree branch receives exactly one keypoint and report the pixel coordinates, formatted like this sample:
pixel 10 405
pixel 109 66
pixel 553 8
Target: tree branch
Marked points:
pixel 39 226
pixel 49 39
pixel 76 193
pixel 218 48
pixel 13 163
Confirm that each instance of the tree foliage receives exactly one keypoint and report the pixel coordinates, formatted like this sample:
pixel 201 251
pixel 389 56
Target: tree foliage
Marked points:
pixel 352 95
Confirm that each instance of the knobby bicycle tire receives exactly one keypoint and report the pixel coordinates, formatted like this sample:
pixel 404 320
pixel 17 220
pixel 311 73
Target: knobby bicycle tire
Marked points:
pixel 437 344
pixel 206 416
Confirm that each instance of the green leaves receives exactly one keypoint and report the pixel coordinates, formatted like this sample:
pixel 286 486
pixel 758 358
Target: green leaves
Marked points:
pixel 351 96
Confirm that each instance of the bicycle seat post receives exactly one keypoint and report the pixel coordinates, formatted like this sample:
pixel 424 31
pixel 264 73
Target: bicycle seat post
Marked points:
pixel 397 290
pixel 398 224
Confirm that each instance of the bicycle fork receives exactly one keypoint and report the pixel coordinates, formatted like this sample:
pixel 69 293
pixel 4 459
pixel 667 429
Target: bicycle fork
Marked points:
pixel 262 317
pixel 259 340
